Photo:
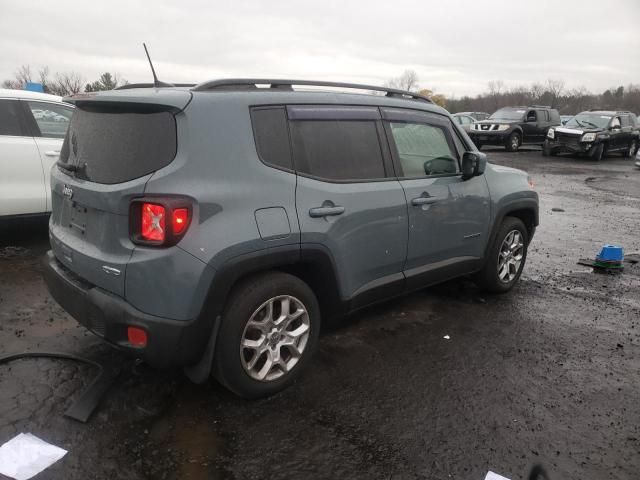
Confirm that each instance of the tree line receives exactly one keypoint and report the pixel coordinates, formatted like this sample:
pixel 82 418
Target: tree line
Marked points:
pixel 61 83
pixel 553 93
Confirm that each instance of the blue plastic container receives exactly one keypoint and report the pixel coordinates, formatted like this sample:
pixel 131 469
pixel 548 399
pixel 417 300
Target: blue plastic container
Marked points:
pixel 611 253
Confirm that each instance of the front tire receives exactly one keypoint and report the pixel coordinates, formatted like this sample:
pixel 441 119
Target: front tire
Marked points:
pixel 269 330
pixel 513 142
pixel 506 257
pixel 547 151
pixel 597 152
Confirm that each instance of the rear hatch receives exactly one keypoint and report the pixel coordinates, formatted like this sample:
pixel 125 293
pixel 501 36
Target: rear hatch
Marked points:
pixel 115 142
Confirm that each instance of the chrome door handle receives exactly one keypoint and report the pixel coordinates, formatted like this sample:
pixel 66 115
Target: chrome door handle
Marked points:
pixel 325 211
pixel 52 153
pixel 424 201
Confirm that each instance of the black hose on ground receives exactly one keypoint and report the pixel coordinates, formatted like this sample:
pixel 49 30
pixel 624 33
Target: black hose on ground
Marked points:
pixel 89 399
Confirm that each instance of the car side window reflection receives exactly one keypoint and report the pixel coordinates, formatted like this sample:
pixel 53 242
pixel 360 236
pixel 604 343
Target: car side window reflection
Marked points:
pixel 53 120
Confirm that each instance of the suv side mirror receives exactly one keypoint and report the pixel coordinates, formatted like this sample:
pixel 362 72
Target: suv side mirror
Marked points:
pixel 473 164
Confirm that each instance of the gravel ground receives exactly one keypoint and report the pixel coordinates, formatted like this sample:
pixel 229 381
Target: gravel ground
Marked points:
pixel 549 373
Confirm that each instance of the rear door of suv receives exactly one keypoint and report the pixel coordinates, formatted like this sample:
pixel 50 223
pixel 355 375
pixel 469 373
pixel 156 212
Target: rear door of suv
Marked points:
pixel 348 200
pixel 49 122
pixel 448 217
pixel 22 188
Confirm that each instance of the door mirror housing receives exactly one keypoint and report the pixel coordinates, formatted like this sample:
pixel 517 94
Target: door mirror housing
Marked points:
pixel 473 164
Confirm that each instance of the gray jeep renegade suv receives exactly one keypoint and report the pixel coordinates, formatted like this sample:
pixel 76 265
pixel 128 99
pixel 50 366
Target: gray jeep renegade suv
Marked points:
pixel 214 226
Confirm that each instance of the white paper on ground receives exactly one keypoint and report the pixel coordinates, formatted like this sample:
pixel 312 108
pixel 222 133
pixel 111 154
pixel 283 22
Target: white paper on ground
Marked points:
pixel 494 476
pixel 26 455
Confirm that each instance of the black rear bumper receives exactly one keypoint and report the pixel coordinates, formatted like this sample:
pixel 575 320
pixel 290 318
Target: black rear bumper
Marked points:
pixel 170 343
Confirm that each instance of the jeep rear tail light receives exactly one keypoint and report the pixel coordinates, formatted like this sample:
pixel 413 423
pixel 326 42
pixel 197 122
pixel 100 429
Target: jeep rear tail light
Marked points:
pixel 159 221
pixel 153 220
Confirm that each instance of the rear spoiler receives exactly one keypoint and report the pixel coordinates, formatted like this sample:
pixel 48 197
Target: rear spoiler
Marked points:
pixel 176 100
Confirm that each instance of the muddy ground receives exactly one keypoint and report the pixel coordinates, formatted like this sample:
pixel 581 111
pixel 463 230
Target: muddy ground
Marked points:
pixel 549 373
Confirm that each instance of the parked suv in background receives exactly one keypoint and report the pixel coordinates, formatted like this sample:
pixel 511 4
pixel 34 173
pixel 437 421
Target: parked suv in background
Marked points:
pixel 595 133
pixel 475 115
pixel 214 227
pixel 465 121
pixel 515 126
pixel 32 127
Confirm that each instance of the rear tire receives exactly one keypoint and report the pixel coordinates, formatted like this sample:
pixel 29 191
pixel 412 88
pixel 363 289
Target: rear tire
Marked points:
pixel 513 142
pixel 506 257
pixel 633 148
pixel 261 349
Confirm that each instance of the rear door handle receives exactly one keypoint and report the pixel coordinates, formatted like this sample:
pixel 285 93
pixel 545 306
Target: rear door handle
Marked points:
pixel 416 202
pixel 52 153
pixel 325 211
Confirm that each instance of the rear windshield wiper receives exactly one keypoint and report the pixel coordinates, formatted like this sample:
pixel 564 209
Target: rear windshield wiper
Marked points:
pixel 68 167
pixel 78 171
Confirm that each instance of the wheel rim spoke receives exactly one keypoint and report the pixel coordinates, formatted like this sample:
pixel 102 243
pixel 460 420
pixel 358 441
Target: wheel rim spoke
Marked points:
pixel 510 256
pixel 270 347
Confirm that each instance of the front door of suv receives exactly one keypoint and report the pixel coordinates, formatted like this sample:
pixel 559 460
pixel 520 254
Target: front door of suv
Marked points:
pixel 448 217
pixel 348 201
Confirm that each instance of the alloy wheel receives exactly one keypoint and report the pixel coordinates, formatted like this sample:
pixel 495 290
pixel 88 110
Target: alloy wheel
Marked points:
pixel 274 338
pixel 510 256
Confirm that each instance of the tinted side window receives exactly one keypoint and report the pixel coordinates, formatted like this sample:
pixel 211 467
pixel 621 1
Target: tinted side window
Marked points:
pixel 423 149
pixel 555 117
pixel 272 136
pixel 625 120
pixel 337 149
pixel 9 118
pixel 53 120
pixel 543 116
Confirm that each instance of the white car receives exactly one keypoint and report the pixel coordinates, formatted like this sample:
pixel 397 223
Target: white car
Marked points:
pixel 638 158
pixel 32 129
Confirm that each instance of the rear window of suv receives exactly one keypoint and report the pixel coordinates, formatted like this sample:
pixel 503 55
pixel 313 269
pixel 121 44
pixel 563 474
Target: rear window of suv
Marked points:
pixel 117 145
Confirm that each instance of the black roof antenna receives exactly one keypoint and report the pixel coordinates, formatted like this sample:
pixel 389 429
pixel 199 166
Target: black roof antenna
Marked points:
pixel 156 83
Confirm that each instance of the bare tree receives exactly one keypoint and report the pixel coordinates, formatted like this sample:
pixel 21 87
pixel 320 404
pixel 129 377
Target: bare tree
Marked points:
pixel 66 84
pixel 537 92
pixel 407 81
pixel 495 90
pixel 21 78
pixel 555 88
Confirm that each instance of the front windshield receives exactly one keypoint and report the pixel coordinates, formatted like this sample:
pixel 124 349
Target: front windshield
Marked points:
pixel 507 114
pixel 589 120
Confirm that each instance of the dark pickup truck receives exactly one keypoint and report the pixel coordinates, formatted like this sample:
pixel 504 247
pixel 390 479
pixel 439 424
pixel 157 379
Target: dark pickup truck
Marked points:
pixel 515 126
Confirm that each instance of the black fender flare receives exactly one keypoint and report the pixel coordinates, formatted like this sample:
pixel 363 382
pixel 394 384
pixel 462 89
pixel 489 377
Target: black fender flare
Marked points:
pixel 504 211
pixel 293 257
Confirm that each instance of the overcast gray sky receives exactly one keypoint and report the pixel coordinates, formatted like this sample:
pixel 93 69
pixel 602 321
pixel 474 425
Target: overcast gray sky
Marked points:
pixel 456 47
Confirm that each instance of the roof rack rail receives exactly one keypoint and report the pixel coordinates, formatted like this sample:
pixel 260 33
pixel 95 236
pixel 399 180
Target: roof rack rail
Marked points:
pixel 541 106
pixel 126 86
pixel 609 110
pixel 282 84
